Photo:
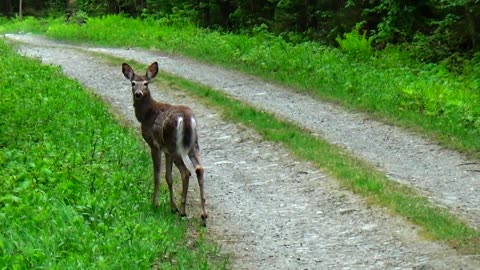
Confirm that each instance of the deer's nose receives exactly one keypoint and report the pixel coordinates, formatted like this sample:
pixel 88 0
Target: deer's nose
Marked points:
pixel 138 94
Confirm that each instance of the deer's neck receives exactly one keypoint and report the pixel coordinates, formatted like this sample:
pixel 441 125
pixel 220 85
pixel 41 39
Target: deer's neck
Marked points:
pixel 145 109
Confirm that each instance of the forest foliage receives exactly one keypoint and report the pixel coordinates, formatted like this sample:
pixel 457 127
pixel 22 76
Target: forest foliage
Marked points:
pixel 434 30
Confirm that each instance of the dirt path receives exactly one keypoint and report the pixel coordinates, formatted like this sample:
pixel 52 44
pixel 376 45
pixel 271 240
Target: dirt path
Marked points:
pixel 271 211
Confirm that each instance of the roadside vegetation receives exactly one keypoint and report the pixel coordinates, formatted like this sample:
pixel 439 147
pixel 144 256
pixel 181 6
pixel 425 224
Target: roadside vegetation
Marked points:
pixel 75 190
pixel 389 84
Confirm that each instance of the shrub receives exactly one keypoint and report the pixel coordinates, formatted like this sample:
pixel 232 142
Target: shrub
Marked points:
pixel 356 44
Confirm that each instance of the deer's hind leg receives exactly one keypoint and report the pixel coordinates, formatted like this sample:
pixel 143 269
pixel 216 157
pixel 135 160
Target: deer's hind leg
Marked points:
pixel 194 156
pixel 185 174
pixel 169 178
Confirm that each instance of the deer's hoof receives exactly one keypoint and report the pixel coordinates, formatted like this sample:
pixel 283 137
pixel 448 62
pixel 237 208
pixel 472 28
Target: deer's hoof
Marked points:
pixel 203 220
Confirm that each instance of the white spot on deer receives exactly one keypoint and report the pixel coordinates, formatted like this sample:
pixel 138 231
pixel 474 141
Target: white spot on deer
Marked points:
pixel 181 150
pixel 194 124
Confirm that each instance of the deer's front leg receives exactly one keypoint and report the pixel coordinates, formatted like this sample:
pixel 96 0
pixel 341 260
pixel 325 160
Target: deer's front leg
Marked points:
pixel 157 166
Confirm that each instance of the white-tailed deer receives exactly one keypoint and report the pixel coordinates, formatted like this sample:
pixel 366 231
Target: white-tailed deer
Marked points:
pixel 169 129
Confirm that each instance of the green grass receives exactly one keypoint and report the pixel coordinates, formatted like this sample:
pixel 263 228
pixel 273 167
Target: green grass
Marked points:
pixel 76 186
pixel 27 25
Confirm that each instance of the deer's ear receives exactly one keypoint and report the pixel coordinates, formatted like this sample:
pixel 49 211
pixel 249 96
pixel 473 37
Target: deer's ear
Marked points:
pixel 127 71
pixel 152 70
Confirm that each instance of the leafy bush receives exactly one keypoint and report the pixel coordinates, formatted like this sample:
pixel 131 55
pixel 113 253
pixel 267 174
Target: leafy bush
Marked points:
pixel 356 44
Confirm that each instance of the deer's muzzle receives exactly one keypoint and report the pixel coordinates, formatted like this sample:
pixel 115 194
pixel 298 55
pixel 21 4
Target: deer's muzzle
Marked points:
pixel 138 94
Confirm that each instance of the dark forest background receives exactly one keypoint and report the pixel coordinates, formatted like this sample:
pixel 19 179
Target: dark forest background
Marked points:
pixel 443 28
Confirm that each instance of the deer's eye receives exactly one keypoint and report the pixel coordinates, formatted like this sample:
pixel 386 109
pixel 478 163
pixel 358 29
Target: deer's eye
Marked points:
pixel 145 84
pixel 133 83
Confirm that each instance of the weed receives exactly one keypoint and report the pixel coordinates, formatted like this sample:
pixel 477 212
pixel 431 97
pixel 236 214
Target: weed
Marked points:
pixel 356 44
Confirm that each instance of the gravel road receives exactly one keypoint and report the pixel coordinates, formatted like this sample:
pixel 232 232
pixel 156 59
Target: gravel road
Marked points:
pixel 268 209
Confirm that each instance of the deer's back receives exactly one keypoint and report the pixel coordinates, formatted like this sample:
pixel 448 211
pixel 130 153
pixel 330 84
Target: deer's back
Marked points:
pixel 174 128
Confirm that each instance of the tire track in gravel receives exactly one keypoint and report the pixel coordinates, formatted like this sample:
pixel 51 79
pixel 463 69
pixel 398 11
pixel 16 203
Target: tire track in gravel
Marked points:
pixel 267 209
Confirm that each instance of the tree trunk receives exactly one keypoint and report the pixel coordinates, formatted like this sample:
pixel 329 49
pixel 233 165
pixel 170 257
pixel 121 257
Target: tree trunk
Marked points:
pixel 20 15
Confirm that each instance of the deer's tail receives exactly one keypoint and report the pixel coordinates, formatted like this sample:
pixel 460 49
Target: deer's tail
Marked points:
pixel 186 134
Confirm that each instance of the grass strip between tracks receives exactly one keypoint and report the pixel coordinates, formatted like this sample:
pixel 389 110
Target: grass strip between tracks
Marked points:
pixel 353 173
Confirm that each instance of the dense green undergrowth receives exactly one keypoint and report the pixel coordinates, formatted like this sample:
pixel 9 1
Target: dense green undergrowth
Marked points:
pixel 388 84
pixel 75 185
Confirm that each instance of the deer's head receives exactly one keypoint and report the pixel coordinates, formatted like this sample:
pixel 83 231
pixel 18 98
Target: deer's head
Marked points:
pixel 140 83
